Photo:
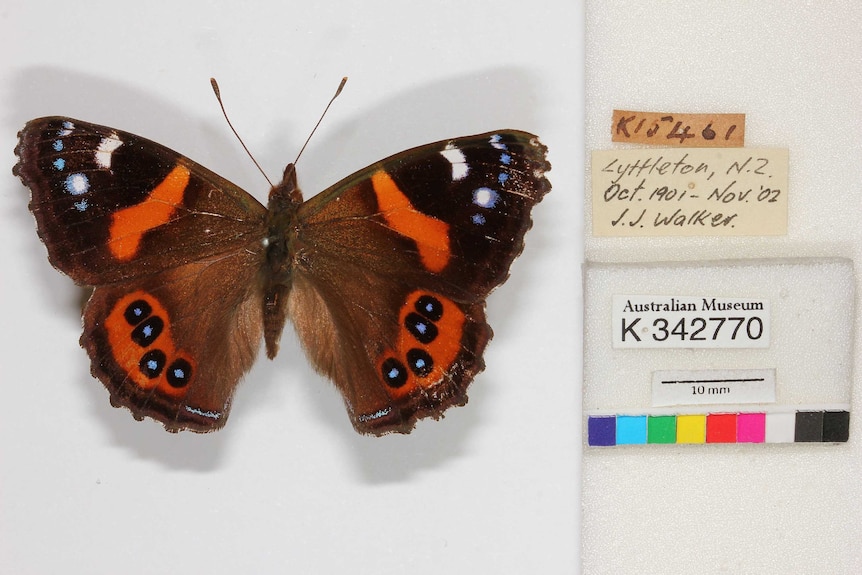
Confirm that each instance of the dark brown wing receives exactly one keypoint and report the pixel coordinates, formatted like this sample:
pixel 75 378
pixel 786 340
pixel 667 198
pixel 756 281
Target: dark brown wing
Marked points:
pixel 112 206
pixel 174 252
pixel 393 265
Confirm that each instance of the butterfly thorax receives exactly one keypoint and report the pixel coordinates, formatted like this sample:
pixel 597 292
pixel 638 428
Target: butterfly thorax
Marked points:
pixel 284 201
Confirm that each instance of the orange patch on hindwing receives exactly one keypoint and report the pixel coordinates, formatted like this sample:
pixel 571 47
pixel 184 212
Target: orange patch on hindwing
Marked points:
pixel 142 344
pixel 429 339
pixel 430 234
pixel 129 225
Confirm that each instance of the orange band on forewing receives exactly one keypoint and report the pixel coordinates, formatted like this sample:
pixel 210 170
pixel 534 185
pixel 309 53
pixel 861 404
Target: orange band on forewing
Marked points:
pixel 430 234
pixel 129 225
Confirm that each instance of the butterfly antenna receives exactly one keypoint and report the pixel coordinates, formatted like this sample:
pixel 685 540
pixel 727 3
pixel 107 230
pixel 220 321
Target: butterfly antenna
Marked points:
pixel 325 110
pixel 235 133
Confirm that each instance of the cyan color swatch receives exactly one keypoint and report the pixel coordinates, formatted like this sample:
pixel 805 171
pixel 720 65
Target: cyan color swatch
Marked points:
pixel 631 429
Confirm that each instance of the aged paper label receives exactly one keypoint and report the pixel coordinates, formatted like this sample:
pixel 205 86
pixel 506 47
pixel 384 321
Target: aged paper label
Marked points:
pixel 679 130
pixel 690 192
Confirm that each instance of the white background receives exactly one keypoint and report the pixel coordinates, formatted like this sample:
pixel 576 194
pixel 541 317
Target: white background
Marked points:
pixel 288 486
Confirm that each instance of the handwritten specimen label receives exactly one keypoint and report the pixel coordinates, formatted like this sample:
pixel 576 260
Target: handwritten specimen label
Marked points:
pixel 690 192
pixel 679 130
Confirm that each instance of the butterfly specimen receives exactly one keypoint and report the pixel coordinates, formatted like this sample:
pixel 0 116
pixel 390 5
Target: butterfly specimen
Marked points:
pixel 384 275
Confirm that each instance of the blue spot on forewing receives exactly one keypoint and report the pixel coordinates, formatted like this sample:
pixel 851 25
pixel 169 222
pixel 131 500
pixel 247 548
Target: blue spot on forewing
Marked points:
pixel 505 159
pixel 81 206
pixel 57 145
pixel 478 219
pixel 502 178
pixel 59 164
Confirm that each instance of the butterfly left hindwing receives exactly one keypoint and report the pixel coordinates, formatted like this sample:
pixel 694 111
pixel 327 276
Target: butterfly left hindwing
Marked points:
pixel 384 275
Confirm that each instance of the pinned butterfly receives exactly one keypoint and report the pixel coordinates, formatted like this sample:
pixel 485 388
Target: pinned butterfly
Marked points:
pixel 384 275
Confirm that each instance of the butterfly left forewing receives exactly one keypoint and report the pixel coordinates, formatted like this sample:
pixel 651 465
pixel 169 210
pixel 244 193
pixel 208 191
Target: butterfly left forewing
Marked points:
pixel 396 262
pixel 110 205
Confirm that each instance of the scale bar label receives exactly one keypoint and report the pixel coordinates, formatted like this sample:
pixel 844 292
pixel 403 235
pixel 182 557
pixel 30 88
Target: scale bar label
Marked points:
pixel 712 386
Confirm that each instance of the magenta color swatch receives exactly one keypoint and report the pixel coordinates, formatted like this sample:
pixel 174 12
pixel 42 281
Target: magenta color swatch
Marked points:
pixel 751 427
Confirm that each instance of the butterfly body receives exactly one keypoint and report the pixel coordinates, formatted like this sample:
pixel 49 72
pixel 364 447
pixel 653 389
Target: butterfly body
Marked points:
pixel 384 275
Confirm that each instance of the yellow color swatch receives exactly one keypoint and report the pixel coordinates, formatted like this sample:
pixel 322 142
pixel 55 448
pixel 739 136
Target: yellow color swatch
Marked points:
pixel 691 429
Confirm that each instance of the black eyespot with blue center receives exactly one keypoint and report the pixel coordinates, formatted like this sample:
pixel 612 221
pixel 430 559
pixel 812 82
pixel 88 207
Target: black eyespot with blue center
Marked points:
pixel 394 372
pixel 152 363
pixel 137 311
pixel 430 307
pixel 148 331
pixel 420 361
pixel 179 373
pixel 422 329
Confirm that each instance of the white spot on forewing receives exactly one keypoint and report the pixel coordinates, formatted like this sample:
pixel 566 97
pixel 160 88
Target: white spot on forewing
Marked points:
pixel 485 197
pixel 77 184
pixel 455 156
pixel 106 149
pixel 496 142
pixel 67 128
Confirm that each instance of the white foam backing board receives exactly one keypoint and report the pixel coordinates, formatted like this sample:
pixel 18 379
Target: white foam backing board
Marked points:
pixel 288 486
pixel 793 68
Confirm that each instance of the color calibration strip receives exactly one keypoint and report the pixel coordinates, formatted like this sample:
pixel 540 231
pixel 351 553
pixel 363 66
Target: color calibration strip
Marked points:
pixel 802 426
